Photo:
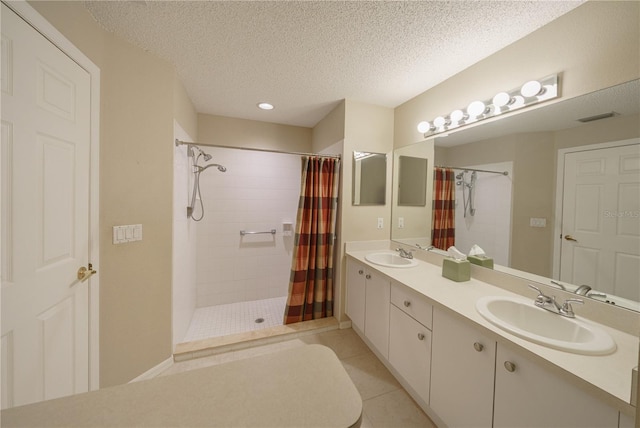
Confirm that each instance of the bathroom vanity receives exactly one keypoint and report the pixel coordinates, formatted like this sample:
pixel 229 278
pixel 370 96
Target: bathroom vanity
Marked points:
pixel 465 371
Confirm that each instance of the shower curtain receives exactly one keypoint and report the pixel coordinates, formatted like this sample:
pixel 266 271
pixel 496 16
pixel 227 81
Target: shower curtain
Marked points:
pixel 444 204
pixel 311 282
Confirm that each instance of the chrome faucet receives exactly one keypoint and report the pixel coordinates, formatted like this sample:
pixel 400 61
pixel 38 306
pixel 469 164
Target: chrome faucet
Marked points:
pixel 404 253
pixel 549 303
pixel 583 290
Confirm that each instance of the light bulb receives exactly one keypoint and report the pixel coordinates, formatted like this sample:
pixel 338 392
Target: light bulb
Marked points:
pixel 424 127
pixel 501 99
pixel 531 89
pixel 456 116
pixel 518 102
pixel 439 122
pixel 475 109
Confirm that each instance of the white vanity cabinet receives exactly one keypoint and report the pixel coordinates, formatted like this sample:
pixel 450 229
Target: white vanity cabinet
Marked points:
pixel 368 298
pixel 356 283
pixel 478 382
pixel 410 338
pixel 462 372
pixel 526 394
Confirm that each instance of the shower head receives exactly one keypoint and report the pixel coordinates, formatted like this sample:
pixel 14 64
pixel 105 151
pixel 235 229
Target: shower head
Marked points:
pixel 193 148
pixel 220 167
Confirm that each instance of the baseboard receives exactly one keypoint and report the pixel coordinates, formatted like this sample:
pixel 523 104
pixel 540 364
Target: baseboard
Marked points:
pixel 154 371
pixel 345 324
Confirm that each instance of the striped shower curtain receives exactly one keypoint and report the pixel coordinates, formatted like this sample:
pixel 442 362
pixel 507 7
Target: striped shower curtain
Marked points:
pixel 311 281
pixel 444 205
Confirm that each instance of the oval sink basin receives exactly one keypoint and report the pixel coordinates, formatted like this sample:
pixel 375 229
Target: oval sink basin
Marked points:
pixel 389 259
pixel 522 318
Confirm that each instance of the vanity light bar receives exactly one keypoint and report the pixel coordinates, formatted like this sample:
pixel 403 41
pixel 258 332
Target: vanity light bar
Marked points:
pixel 532 92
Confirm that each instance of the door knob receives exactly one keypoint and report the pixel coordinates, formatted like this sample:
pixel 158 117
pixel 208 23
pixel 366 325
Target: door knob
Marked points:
pixel 570 238
pixel 85 272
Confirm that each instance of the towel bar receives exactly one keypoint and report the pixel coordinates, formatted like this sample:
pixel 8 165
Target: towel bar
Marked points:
pixel 244 232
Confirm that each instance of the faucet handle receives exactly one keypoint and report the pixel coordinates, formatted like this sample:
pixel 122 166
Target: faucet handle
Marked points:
pixel 566 308
pixel 540 293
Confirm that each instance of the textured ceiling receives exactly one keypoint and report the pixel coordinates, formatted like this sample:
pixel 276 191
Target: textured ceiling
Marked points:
pixel 306 56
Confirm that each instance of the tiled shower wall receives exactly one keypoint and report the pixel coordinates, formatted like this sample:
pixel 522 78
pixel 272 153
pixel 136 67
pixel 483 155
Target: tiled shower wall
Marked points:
pixel 490 227
pixel 184 242
pixel 258 192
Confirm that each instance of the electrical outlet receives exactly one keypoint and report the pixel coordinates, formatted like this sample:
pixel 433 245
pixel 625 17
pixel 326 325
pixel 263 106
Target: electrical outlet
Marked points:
pixel 400 222
pixel 380 222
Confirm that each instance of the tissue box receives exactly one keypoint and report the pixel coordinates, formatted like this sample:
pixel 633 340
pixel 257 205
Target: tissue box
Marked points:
pixel 483 261
pixel 456 270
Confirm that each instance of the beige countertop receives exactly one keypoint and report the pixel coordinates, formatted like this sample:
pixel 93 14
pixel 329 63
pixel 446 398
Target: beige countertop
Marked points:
pixel 300 387
pixel 607 376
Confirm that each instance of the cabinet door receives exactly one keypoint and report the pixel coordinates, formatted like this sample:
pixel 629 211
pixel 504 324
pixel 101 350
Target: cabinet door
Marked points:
pixel 410 351
pixel 462 372
pixel 356 294
pixel 528 395
pixel 376 319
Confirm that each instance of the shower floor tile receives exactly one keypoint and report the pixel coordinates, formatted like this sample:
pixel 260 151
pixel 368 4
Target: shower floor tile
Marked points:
pixel 223 320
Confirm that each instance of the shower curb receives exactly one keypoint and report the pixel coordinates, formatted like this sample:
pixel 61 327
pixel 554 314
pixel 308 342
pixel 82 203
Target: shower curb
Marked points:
pixel 217 345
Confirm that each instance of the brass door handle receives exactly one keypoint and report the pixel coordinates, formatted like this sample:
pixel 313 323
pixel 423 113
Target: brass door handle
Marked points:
pixel 85 272
pixel 570 238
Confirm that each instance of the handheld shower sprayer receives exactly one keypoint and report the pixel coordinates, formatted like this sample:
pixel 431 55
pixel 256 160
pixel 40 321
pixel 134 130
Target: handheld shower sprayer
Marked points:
pixel 197 169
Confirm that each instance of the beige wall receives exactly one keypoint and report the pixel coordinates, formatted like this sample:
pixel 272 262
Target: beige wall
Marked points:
pixel 330 130
pixel 136 163
pixel 227 131
pixel 581 45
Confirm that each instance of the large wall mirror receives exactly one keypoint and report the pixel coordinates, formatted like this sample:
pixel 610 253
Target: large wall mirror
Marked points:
pixel 571 190
pixel 369 178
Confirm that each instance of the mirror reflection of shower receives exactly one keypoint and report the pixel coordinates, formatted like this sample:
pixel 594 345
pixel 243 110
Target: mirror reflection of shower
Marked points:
pixel 196 153
pixel 468 191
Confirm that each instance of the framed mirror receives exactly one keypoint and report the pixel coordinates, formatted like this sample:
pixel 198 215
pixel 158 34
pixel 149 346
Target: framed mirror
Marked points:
pixel 369 178
pixel 528 240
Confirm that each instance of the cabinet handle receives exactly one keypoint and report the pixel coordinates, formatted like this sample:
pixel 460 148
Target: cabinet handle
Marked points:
pixel 509 366
pixel 478 346
pixel 420 336
pixel 407 303
pixel 360 271
pixel 368 276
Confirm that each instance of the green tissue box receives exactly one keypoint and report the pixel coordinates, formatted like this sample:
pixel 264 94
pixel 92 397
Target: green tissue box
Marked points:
pixel 456 270
pixel 483 261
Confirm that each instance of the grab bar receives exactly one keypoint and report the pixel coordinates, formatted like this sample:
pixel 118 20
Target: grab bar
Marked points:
pixel 244 232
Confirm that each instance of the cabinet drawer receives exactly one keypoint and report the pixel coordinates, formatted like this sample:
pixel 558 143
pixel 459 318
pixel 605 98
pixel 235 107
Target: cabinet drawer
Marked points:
pixel 412 303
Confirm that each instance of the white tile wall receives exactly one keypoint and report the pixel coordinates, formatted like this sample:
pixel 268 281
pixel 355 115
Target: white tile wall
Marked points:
pixel 184 243
pixel 490 227
pixel 259 192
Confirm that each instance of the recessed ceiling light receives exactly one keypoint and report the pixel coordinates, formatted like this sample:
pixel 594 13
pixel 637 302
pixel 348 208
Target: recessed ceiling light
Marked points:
pixel 265 106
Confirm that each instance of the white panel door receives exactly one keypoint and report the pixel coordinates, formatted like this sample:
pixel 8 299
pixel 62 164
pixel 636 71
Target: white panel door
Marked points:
pixel 601 220
pixel 45 217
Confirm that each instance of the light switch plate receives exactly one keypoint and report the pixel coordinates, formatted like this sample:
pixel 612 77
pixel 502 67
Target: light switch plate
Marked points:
pixel 127 233
pixel 380 222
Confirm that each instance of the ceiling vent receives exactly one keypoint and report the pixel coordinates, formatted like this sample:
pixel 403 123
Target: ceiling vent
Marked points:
pixel 598 117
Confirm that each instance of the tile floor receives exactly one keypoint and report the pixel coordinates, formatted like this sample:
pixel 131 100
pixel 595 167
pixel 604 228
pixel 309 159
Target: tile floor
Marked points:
pixel 223 320
pixel 385 403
